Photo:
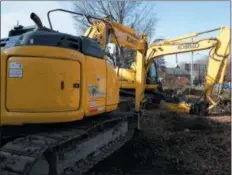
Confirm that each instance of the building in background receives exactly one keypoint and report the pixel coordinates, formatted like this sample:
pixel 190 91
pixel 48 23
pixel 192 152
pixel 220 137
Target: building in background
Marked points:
pixel 176 77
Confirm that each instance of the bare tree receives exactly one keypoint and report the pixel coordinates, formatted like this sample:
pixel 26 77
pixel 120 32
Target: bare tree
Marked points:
pixel 138 15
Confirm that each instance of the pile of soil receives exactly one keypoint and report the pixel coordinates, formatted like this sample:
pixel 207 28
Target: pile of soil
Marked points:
pixel 171 143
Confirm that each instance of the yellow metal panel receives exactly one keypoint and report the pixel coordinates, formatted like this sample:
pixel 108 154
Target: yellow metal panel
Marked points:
pixel 46 85
pixel 151 87
pixel 130 85
pixel 16 118
pixel 140 79
pixel 127 78
pixel 95 86
pixel 126 74
pixel 180 107
pixel 111 108
pixel 112 87
pixel 127 85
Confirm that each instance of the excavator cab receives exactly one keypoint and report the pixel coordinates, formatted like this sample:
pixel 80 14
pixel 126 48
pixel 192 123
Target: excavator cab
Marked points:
pixel 152 74
pixel 153 78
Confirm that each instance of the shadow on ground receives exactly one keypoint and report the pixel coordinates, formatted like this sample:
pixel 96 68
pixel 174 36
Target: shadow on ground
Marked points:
pixel 173 144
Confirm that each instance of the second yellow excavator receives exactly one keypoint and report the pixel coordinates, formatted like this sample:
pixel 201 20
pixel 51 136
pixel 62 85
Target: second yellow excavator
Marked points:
pixel 217 64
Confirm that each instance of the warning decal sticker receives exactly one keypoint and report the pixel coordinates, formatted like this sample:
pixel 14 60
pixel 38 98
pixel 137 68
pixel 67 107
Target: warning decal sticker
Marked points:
pixel 16 70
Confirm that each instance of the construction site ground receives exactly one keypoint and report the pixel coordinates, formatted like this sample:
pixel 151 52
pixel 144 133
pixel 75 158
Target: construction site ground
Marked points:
pixel 171 143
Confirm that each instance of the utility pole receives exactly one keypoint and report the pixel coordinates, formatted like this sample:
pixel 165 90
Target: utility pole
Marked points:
pixel 191 68
pixel 199 73
pixel 177 66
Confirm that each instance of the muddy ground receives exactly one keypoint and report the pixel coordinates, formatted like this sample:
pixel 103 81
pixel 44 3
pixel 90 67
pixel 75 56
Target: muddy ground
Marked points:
pixel 173 144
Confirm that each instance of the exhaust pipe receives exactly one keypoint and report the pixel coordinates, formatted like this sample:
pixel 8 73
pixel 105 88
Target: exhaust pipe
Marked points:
pixel 36 20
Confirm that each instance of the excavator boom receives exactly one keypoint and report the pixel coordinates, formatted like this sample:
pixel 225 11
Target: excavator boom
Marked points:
pixel 217 61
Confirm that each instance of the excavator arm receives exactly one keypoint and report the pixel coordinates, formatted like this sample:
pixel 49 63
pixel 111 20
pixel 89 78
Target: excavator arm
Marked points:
pixel 217 61
pixel 107 31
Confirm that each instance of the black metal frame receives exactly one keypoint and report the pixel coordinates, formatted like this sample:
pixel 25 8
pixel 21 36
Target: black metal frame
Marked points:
pixel 88 17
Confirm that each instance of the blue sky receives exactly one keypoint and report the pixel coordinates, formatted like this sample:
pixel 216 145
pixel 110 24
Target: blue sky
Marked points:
pixel 174 18
pixel 178 18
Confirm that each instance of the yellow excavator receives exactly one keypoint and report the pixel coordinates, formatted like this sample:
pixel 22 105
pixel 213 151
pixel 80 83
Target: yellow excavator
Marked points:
pixel 60 108
pixel 217 64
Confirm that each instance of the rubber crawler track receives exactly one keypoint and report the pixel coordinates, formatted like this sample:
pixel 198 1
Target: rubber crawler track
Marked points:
pixel 18 156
